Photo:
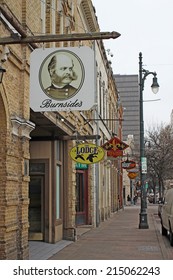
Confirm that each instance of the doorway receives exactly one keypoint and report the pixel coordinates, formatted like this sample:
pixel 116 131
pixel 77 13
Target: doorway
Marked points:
pixel 81 197
pixel 36 207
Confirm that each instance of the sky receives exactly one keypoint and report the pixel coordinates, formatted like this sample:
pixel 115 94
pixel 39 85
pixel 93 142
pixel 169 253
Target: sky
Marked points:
pixel 145 26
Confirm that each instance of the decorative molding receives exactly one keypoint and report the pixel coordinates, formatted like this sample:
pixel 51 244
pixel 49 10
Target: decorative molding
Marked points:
pixel 26 128
pixel 21 127
pixel 15 126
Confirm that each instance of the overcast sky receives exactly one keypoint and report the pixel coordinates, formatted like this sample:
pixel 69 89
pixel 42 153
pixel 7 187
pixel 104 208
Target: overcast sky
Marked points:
pixel 145 26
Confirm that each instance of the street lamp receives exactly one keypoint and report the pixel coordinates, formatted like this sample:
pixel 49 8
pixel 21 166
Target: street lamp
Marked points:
pixel 143 223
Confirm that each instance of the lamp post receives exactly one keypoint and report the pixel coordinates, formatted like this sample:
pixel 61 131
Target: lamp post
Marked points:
pixel 143 223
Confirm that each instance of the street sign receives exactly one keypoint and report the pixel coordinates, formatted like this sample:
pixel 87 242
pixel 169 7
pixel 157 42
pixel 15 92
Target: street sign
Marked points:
pixel 144 165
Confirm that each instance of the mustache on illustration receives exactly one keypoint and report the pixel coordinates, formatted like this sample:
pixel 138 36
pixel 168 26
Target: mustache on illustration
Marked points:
pixel 72 75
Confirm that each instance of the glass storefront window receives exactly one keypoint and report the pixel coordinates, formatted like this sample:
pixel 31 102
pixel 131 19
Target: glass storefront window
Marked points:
pixel 80 199
pixel 58 150
pixel 37 167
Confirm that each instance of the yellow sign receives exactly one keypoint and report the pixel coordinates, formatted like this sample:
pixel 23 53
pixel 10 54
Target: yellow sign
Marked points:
pixel 132 175
pixel 87 153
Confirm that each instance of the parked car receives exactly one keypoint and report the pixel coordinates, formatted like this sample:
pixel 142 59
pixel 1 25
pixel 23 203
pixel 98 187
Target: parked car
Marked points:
pixel 166 215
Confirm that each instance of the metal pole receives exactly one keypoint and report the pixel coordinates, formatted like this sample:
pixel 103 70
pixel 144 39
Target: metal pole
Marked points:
pixel 131 193
pixel 143 223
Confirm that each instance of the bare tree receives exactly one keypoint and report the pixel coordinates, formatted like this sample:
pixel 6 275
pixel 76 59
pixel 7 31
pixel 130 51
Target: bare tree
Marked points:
pixel 159 153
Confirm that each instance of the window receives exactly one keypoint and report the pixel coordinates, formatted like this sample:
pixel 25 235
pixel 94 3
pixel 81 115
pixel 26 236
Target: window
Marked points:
pixel 58 150
pixel 80 205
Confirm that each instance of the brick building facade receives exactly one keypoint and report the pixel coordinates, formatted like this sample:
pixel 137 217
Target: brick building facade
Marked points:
pixel 44 194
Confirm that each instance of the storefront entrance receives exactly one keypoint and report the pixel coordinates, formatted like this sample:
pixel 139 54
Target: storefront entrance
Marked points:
pixel 81 197
pixel 36 221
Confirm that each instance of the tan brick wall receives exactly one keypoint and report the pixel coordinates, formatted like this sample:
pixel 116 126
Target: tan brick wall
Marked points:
pixel 14 102
pixel 15 7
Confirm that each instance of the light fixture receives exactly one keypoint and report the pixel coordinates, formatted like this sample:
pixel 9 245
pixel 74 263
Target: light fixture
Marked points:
pixel 2 71
pixel 155 85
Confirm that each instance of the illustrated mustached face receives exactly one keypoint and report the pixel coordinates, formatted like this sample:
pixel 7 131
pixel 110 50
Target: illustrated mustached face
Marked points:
pixel 62 70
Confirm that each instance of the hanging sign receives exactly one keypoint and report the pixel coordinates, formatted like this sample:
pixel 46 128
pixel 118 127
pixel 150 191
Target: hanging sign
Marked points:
pixel 62 79
pixel 81 166
pixel 115 147
pixel 114 153
pixel 116 144
pixel 128 164
pixel 87 153
pixel 132 175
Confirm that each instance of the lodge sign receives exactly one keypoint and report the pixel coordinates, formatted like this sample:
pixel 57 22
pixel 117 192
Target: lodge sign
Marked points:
pixel 87 153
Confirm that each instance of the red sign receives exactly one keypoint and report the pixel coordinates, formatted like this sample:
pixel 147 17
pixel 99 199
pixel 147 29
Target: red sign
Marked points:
pixel 115 147
pixel 128 164
pixel 116 144
pixel 114 153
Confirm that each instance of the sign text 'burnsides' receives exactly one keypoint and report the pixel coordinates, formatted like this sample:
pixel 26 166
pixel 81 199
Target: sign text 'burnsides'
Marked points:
pixel 49 103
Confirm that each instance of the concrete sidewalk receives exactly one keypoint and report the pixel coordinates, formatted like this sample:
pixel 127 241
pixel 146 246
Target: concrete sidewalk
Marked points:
pixel 119 238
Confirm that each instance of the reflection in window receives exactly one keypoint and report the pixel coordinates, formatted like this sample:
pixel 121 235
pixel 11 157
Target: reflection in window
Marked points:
pixel 37 167
pixel 80 204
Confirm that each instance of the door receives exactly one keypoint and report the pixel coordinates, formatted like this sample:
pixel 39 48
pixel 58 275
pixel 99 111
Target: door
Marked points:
pixel 36 207
pixel 81 197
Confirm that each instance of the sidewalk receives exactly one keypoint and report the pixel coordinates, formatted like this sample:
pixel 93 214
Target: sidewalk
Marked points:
pixel 118 238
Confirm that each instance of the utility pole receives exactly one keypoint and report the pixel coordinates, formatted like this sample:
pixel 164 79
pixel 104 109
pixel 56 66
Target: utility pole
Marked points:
pixel 143 221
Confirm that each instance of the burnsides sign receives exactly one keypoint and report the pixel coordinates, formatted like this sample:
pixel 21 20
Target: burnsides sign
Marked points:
pixel 87 153
pixel 62 79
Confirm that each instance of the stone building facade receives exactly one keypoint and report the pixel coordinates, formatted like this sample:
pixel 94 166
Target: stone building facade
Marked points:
pixel 44 194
